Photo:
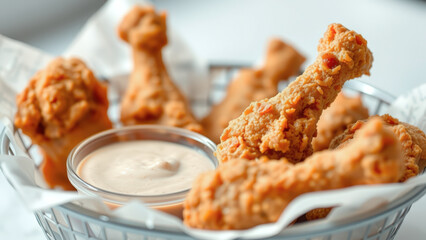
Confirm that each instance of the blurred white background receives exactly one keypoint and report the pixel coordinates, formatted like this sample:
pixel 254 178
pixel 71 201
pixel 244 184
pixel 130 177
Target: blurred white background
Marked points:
pixel 237 31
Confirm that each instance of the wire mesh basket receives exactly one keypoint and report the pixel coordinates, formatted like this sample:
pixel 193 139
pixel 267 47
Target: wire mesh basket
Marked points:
pixel 71 221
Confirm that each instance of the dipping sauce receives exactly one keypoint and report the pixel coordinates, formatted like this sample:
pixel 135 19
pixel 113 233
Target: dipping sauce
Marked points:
pixel 152 164
pixel 143 167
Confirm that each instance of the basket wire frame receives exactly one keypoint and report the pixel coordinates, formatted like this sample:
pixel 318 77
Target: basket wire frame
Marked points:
pixel 72 222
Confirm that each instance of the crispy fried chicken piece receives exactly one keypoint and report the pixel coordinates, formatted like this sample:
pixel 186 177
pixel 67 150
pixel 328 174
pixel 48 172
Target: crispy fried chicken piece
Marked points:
pixel 283 126
pixel 151 96
pixel 62 105
pixel 258 191
pixel 334 120
pixel 413 142
pixel 412 139
pixel 282 62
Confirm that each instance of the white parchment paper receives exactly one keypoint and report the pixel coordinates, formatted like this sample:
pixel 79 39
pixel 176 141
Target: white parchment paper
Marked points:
pixel 411 107
pixel 98 45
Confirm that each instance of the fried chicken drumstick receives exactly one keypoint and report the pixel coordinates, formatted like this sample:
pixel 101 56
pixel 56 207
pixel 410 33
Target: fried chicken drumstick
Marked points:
pixel 151 96
pixel 62 105
pixel 413 141
pixel 283 126
pixel 334 120
pixel 282 62
pixel 241 194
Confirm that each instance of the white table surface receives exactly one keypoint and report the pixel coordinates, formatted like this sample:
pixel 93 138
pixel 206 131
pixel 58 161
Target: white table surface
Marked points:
pixel 237 31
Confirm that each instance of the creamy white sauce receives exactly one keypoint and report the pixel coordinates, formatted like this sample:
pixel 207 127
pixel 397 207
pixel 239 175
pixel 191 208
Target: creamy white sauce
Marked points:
pixel 143 167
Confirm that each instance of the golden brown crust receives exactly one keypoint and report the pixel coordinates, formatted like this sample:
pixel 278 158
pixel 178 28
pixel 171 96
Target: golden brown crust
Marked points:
pixel 57 98
pixel 412 139
pixel 318 213
pixel 62 105
pixel 284 125
pixel 282 62
pixel 241 194
pixel 334 120
pixel 143 28
pixel 151 97
pixel 418 137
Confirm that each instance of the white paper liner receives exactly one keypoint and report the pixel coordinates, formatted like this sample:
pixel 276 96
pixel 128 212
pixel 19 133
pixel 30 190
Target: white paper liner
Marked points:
pixel 20 62
pixel 411 107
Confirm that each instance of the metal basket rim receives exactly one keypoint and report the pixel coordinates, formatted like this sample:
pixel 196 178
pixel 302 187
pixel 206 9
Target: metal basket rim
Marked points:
pixel 298 230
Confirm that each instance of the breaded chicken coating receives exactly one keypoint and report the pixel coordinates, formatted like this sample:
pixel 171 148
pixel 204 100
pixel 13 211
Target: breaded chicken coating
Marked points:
pixel 334 120
pixel 62 105
pixel 151 96
pixel 282 61
pixel 241 194
pixel 284 125
pixel 413 141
